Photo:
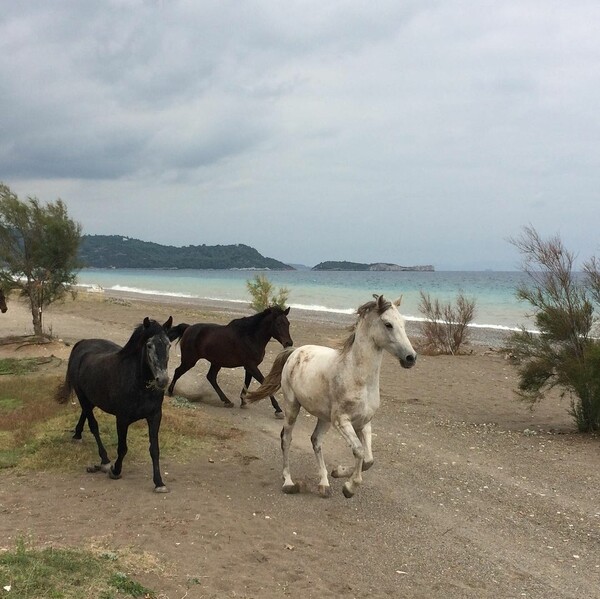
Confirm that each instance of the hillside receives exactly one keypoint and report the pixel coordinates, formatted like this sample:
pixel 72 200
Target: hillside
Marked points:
pixel 376 266
pixel 116 251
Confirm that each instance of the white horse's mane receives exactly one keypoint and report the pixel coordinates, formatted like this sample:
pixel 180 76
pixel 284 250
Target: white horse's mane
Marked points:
pixel 362 311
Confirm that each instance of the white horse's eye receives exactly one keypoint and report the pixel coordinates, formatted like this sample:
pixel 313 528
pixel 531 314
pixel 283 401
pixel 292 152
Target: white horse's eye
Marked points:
pixel 389 325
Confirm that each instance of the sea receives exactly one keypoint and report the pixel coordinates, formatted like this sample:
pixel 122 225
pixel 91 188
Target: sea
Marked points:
pixel 333 292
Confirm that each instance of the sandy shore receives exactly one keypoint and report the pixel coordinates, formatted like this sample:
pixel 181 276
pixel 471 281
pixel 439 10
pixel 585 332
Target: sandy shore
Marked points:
pixel 472 494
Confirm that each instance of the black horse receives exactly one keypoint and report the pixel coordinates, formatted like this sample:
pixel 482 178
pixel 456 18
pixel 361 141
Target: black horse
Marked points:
pixel 3 306
pixel 128 382
pixel 242 342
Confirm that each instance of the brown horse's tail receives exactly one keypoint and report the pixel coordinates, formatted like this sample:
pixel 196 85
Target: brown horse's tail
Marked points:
pixel 272 381
pixel 63 392
pixel 177 331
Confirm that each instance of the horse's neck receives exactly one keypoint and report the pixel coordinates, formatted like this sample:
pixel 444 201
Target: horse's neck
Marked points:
pixel 364 358
pixel 262 333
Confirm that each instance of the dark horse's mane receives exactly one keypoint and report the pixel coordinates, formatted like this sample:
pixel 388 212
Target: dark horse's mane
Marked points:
pixel 139 336
pixel 249 324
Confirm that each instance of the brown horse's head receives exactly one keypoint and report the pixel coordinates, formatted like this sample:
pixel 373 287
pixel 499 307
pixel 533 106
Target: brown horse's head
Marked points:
pixel 3 306
pixel 280 328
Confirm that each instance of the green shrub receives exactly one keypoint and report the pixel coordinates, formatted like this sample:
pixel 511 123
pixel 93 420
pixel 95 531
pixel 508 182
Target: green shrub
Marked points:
pixel 263 294
pixel 562 353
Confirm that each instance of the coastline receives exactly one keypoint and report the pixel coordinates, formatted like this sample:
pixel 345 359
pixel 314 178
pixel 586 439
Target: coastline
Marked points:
pixel 480 338
pixel 331 293
pixel 108 307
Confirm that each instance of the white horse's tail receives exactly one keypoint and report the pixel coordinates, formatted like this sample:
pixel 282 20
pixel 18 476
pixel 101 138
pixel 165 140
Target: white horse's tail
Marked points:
pixel 272 381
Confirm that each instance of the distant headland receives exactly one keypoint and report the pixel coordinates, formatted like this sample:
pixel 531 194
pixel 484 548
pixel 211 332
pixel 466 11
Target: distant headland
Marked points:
pixel 119 251
pixel 375 266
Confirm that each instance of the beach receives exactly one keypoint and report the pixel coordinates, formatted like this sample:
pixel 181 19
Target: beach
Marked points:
pixel 472 494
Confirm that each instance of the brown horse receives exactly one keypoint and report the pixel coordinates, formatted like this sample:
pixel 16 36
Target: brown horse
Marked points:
pixel 3 306
pixel 242 342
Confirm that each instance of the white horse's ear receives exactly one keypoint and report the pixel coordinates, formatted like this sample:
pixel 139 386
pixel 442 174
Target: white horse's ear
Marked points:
pixel 376 296
pixel 398 302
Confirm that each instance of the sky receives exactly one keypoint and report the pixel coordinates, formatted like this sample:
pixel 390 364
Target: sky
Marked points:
pixel 413 132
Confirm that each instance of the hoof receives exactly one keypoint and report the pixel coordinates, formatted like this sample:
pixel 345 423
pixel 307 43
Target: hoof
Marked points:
pixel 114 476
pixel 367 465
pixel 279 415
pixel 347 492
pixel 76 438
pixel 325 491
pixel 290 489
pixel 228 404
pixel 162 489
pixel 243 405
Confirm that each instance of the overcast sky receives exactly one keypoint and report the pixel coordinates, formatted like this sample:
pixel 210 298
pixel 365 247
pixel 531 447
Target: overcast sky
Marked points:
pixel 413 132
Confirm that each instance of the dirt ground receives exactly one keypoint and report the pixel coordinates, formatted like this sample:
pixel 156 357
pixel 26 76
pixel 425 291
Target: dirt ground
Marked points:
pixel 472 493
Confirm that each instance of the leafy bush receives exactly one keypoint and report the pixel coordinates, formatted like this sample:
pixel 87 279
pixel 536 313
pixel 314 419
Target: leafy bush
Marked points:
pixel 446 325
pixel 263 294
pixel 562 353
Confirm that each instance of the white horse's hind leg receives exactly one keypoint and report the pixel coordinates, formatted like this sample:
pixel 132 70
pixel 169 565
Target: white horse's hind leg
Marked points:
pixel 347 431
pixel 317 442
pixel 291 413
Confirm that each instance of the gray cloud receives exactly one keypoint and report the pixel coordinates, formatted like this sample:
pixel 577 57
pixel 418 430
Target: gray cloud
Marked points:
pixel 407 132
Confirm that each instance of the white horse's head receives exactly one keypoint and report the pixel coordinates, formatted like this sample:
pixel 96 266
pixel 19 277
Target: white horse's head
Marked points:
pixel 387 329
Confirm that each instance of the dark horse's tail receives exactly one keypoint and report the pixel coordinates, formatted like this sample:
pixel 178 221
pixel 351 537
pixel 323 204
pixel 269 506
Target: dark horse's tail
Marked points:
pixel 63 392
pixel 177 331
pixel 272 381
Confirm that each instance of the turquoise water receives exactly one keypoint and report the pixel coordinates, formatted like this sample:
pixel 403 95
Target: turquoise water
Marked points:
pixel 341 292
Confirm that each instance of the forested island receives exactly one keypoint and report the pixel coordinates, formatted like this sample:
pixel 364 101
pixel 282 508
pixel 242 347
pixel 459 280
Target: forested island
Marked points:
pixel 378 266
pixel 116 251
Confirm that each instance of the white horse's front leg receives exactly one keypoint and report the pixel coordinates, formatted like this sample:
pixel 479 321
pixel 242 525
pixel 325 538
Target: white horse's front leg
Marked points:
pixel 365 438
pixel 317 442
pixel 348 433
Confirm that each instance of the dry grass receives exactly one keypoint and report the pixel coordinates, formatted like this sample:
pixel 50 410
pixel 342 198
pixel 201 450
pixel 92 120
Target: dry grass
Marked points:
pixel 30 573
pixel 35 431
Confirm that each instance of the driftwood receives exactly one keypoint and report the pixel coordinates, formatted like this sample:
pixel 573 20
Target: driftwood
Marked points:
pixel 25 340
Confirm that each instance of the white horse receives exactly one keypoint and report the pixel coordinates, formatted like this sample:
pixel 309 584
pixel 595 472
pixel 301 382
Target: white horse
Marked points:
pixel 339 387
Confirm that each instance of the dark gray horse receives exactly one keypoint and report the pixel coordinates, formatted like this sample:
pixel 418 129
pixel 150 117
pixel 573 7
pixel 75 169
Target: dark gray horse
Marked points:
pixel 128 382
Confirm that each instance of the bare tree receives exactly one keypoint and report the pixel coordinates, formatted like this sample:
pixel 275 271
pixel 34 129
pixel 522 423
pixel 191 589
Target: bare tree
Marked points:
pixel 445 327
